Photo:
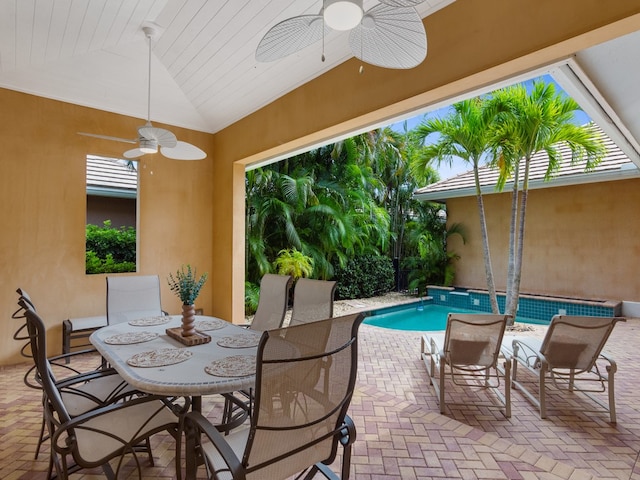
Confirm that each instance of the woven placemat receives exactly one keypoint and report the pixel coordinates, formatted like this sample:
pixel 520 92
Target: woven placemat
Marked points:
pixel 205 325
pixel 242 340
pixel 130 337
pixel 150 321
pixel 233 366
pixel 160 358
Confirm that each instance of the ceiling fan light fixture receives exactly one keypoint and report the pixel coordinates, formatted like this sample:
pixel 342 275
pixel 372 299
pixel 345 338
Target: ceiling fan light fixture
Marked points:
pixel 148 146
pixel 342 14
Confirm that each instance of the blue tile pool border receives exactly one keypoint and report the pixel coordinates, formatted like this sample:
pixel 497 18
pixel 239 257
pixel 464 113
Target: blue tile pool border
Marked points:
pixel 530 306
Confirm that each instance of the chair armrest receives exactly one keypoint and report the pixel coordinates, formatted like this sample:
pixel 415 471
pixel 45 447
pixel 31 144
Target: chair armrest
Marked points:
pixel 64 436
pixel 83 377
pixel 67 356
pixel 436 349
pixel 30 379
pixel 506 353
pixel 529 357
pixel 613 366
pixel 110 392
pixel 348 432
pixel 195 424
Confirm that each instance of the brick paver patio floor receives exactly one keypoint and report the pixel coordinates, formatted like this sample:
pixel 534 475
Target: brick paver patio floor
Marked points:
pixel 402 435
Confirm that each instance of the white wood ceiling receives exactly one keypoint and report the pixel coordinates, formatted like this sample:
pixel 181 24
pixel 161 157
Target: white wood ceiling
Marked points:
pixel 204 73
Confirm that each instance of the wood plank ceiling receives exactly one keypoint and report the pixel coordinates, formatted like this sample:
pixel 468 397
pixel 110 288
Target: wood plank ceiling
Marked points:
pixel 204 73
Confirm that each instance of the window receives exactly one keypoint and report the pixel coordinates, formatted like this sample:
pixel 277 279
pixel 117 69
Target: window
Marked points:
pixel 111 233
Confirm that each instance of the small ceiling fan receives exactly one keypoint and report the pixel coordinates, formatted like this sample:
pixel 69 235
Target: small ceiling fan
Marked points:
pixel 389 34
pixel 151 138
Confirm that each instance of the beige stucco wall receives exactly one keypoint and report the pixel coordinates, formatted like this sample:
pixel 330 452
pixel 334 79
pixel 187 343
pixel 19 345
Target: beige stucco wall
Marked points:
pixel 580 241
pixel 43 214
pixel 193 211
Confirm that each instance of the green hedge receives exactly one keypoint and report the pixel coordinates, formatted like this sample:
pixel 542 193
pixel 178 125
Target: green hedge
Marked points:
pixel 363 277
pixel 109 249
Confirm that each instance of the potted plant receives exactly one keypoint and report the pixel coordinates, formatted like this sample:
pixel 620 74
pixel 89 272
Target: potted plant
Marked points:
pixel 186 285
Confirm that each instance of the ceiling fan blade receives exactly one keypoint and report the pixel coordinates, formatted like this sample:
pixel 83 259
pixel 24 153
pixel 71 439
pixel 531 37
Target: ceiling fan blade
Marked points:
pixel 183 151
pixel 107 137
pixel 133 153
pixel 290 36
pixel 164 137
pixel 401 3
pixel 390 37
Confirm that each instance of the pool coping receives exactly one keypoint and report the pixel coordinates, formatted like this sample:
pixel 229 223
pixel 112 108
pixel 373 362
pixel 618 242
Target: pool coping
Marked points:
pixel 538 307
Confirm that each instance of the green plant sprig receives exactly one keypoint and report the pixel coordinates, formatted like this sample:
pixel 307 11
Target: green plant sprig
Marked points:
pixel 185 285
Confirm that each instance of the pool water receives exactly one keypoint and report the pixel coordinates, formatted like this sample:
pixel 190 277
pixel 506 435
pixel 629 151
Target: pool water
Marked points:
pixel 422 317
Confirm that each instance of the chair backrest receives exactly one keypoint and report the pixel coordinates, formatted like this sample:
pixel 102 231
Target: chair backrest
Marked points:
pixel 474 339
pixel 296 418
pixel 312 300
pixel 24 303
pixel 132 297
pixel 23 295
pixel 44 374
pixel 274 299
pixel 575 342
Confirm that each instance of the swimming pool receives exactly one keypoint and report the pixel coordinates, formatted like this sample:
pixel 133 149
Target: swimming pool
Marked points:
pixel 421 317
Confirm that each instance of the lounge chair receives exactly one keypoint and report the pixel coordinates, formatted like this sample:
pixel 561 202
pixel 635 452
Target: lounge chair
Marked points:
pixel 568 356
pixel 469 352
pixel 273 303
pixel 298 420
pixel 312 300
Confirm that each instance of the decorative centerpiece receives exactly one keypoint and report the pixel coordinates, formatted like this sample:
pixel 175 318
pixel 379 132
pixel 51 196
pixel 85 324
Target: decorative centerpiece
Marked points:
pixel 186 285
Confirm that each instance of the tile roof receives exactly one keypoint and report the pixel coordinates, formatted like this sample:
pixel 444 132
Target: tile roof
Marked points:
pixel 615 166
pixel 110 177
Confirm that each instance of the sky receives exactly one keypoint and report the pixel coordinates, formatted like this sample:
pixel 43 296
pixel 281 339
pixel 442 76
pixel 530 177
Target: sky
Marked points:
pixel 459 167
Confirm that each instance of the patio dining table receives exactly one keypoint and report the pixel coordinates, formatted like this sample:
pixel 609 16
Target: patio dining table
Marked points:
pixel 152 361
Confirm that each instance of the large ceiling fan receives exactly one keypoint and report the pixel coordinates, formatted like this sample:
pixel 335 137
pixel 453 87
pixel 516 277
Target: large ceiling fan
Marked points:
pixel 389 34
pixel 151 138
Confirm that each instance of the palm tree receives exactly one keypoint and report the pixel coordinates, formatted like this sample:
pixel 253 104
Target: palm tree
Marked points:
pixel 335 203
pixel 319 203
pixel 531 123
pixel 465 134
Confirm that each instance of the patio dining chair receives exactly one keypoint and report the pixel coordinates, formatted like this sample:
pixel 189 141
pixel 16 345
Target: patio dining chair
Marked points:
pixel 312 300
pixel 297 421
pixel 273 302
pixel 469 354
pixel 569 358
pixel 130 297
pixel 97 436
pixel 272 307
pixel 81 391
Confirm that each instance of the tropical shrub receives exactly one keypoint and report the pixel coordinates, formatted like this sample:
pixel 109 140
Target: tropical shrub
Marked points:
pixel 364 276
pixel 109 249
pixel 251 297
pixel 294 263
pixel 94 264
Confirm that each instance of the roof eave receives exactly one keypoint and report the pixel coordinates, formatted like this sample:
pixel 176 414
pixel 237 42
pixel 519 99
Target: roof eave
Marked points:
pixel 111 192
pixel 561 181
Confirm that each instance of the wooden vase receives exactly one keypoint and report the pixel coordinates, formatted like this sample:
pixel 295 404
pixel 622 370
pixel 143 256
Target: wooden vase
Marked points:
pixel 188 319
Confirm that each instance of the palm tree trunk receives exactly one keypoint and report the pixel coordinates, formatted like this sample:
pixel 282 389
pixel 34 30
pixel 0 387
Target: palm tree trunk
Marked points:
pixel 491 287
pixel 513 297
pixel 511 265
